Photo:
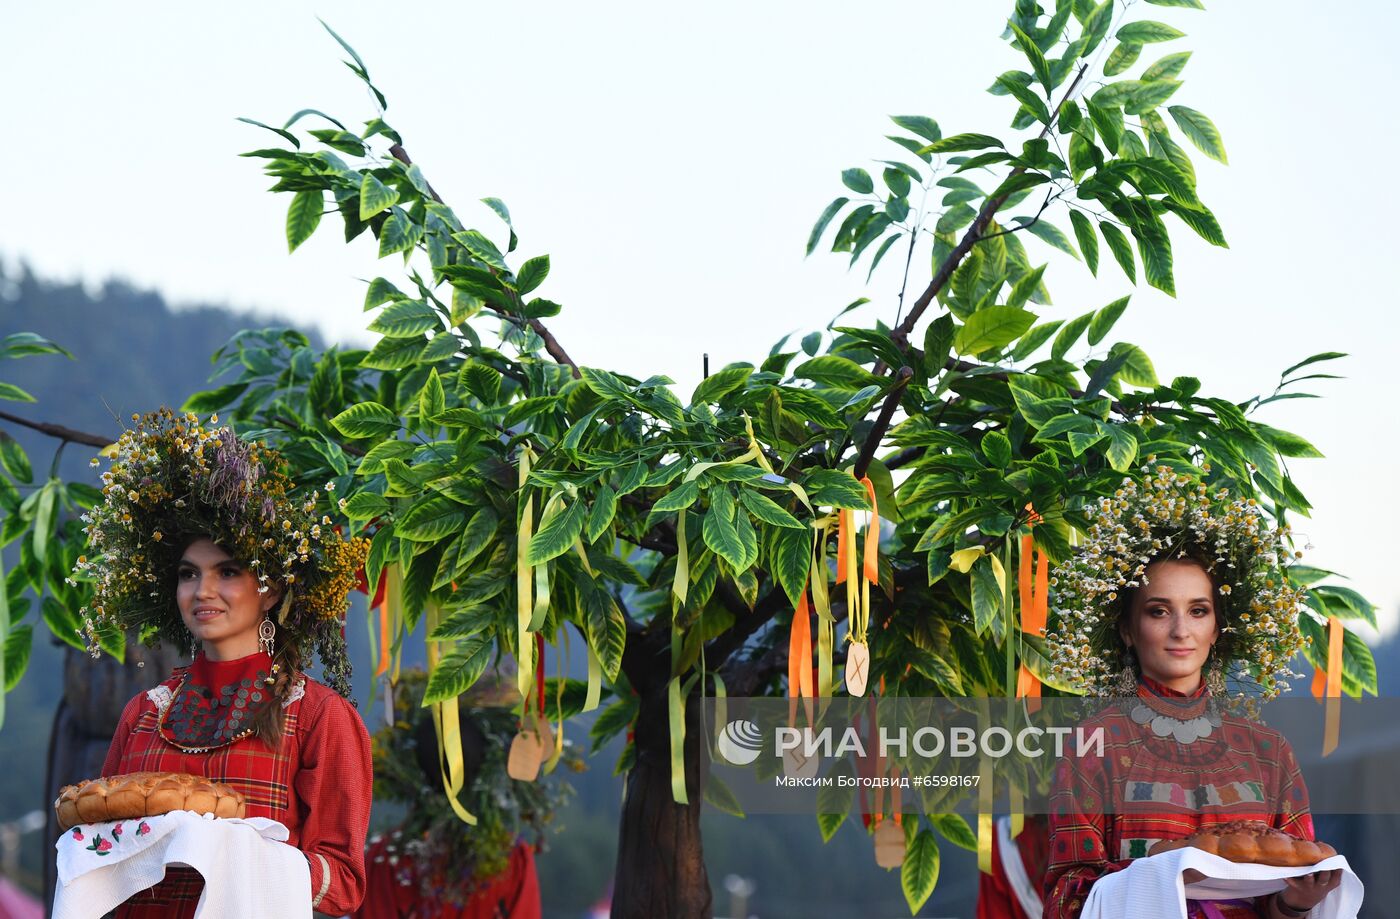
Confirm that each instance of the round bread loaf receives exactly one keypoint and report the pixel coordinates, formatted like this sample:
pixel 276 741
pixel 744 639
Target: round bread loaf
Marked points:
pixel 145 794
pixel 1251 842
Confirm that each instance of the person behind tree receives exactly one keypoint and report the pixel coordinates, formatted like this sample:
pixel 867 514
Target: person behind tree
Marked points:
pixel 432 865
pixel 1174 590
pixel 200 541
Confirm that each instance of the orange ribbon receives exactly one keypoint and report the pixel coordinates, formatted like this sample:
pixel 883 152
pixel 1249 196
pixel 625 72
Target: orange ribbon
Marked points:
pixel 800 678
pixel 1327 682
pixel 1035 607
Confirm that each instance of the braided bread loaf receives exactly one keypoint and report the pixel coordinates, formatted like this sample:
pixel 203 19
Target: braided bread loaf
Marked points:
pixel 145 794
pixel 1251 842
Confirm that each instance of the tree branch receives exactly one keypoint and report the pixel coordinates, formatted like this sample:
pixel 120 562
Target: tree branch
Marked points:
pixel 551 344
pixel 67 435
pixel 882 422
pixel 901 333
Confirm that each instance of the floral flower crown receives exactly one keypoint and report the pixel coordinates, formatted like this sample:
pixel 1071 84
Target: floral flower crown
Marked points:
pixel 1171 515
pixel 172 480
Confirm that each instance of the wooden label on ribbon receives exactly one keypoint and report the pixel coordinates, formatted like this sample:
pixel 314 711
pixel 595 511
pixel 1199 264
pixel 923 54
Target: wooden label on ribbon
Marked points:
pixel 889 844
pixel 857 667
pixel 526 754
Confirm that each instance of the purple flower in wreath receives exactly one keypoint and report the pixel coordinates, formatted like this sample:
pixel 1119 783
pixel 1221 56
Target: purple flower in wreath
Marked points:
pixel 143 829
pixel 78 833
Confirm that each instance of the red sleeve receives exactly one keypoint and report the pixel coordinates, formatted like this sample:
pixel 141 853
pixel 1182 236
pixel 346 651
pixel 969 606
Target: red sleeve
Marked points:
pixel 333 783
pixel 994 897
pixel 1292 811
pixel 1078 840
pixel 112 764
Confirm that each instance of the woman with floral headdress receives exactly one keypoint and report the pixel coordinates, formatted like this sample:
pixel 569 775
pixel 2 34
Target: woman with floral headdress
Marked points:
pixel 200 542
pixel 1174 591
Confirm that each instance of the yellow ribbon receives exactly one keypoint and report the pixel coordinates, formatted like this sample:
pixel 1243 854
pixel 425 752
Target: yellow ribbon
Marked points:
pixel 524 647
pixel 447 726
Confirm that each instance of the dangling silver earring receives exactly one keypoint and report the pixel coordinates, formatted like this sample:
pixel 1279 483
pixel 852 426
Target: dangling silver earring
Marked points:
pixel 1215 675
pixel 266 632
pixel 194 645
pixel 1127 682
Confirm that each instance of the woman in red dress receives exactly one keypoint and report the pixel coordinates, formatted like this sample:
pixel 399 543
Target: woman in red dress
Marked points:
pixel 1187 589
pixel 201 543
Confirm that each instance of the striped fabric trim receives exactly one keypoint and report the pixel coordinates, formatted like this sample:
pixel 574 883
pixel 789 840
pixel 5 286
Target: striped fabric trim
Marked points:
pixel 325 880
pixel 1224 795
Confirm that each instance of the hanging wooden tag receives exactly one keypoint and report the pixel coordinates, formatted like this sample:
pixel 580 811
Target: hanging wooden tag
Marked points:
pixel 523 762
pixel 857 667
pixel 796 762
pixel 889 844
pixel 546 735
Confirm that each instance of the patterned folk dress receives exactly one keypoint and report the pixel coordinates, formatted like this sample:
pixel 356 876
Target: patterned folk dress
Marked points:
pixel 318 784
pixel 1107 811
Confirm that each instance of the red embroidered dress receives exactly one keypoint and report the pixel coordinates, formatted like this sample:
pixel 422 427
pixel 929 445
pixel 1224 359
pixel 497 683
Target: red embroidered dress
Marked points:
pixel 318 785
pixel 1158 788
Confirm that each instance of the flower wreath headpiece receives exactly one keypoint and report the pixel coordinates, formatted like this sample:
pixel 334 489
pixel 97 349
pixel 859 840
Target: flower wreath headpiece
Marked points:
pixel 1171 514
pixel 172 479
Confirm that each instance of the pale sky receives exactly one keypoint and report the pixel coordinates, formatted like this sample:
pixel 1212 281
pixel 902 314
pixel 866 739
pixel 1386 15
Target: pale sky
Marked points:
pixel 672 161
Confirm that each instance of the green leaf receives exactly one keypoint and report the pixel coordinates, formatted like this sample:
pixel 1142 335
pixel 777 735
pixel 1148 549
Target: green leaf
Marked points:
pixel 765 509
pixel 398 233
pixel 1200 219
pixel 1188 4
pixel 211 400
pixel 820 226
pixel 1121 59
pixel 366 505
pixel 1288 443
pixel 791 560
pixel 1096 26
pixel 375 196
pixel 955 829
pixel 925 127
pixel 1052 235
pixel 835 489
pixel 898 182
pixel 431 518
pixel 1027 97
pixel 986 595
pixel 1088 240
pixel 532 274
pixel 679 499
pixel 406 319
pixel 919 873
pixel 720 530
pixel 1033 54
pixel 1032 340
pixel 604 509
pixel 1201 131
pixel 14 394
pixel 1167 68
pixel 1070 334
pixel 1151 95
pixel 1137 369
pixel 832 370
pixel 1144 31
pixel 18 644
pixel 1120 247
pixel 1108 121
pixel 458 671
pixel 607 629
pixel 1105 318
pixel 858 181
pixel 992 328
pixel 720 383
pixel 303 216
pixel 1155 248
pixel 481 248
pixel 557 534
pixel 834 800
pixel 1122 447
pixel 381 291
pixel 996 447
pixel 366 419
pixel 962 142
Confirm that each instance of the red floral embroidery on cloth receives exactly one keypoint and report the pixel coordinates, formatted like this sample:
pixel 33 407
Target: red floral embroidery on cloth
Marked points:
pixel 217 701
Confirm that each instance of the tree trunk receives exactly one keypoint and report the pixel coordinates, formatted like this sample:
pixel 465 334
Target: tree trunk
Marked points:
pixel 660 858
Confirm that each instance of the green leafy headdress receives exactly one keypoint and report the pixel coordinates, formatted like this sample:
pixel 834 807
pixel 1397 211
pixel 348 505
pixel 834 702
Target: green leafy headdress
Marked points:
pixel 172 480
pixel 1170 515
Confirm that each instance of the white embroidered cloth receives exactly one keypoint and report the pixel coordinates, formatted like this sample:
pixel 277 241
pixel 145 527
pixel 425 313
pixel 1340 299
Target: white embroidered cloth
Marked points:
pixel 1152 888
pixel 248 868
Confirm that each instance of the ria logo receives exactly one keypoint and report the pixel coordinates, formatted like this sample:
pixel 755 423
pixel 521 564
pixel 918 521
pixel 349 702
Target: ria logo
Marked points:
pixel 740 742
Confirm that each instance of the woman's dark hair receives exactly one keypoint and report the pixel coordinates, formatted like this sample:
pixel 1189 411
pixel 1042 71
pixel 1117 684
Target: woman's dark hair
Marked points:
pixel 426 748
pixel 1192 554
